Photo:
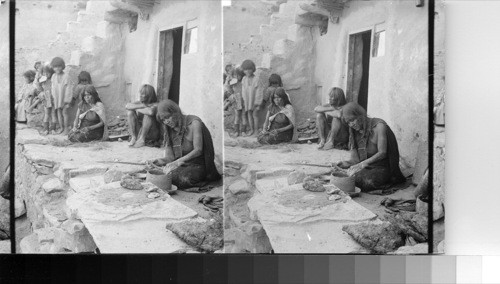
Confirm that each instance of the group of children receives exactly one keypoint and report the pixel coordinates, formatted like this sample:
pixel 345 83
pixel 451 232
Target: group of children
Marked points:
pixel 240 90
pixel 48 85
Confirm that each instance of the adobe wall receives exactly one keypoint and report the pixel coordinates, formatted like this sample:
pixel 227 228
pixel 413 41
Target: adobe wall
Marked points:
pixel 201 72
pixel 398 86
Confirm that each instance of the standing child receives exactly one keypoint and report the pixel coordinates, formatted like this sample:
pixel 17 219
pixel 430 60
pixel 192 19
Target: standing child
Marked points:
pixel 25 96
pixel 62 92
pixel 249 91
pixel 44 86
pixel 84 79
pixel 274 83
pixel 236 87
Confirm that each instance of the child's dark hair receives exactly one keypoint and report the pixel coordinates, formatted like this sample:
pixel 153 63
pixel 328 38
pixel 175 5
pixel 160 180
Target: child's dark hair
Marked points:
pixel 57 62
pixel 238 72
pixel 275 79
pixel 248 65
pixel 84 77
pixel 149 92
pixel 228 66
pixel 30 75
pixel 47 71
pixel 338 97
pixel 37 63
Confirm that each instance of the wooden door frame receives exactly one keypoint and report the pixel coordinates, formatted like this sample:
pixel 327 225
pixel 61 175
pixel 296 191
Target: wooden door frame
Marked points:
pixel 158 37
pixel 346 63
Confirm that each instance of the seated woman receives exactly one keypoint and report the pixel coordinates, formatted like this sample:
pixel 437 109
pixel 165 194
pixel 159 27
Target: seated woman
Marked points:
pixel 141 118
pixel 279 125
pixel 374 150
pixel 189 151
pixel 332 131
pixel 90 120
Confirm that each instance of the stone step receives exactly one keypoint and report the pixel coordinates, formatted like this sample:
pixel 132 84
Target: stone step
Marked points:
pixel 281 22
pixel 270 34
pixel 92 44
pixel 283 47
pixel 288 8
pixel 78 30
pixel 292 32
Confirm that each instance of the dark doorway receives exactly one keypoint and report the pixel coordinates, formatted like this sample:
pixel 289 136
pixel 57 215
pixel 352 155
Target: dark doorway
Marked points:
pixel 358 68
pixel 169 64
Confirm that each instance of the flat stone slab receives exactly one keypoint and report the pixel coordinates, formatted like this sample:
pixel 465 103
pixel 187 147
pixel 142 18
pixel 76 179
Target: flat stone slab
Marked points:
pixel 126 221
pixel 300 221
pixel 98 155
pixel 26 135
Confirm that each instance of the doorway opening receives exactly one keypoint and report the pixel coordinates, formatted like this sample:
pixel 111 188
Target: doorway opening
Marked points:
pixel 358 68
pixel 169 64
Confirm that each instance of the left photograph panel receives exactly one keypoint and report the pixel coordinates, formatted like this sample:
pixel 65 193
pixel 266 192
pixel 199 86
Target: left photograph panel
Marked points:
pixel 5 234
pixel 118 126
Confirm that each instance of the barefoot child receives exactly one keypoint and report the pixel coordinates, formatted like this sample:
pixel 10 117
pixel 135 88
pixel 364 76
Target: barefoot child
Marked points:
pixel 62 91
pixel 249 91
pixel 25 96
pixel 44 86
pixel 236 87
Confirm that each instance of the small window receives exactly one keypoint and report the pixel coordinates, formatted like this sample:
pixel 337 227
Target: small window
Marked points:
pixel 191 38
pixel 379 41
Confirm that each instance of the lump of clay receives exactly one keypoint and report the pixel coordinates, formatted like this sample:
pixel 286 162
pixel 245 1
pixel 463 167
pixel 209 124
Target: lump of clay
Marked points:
pixel 153 195
pixel 129 182
pixel 334 197
pixel 313 185
pixel 379 238
pixel 207 236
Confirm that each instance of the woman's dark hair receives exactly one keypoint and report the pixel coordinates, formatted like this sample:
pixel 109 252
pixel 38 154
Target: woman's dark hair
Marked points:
pixel 84 77
pixel 338 97
pixel 30 74
pixel 280 92
pixel 90 89
pixel 47 71
pixel 248 65
pixel 168 106
pixel 149 92
pixel 275 79
pixel 57 62
pixel 353 110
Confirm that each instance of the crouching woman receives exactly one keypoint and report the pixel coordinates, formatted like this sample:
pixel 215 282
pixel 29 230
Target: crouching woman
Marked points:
pixel 374 150
pixel 90 120
pixel 189 150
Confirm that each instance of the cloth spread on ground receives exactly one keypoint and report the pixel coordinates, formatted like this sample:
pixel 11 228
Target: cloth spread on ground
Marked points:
pixel 383 172
pixel 198 171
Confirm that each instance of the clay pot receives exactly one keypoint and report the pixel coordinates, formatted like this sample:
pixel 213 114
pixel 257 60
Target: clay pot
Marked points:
pixel 343 181
pixel 160 179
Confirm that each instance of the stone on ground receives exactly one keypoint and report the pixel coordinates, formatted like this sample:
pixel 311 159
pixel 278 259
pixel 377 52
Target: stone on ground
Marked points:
pixel 53 185
pixel 240 186
pixel 19 207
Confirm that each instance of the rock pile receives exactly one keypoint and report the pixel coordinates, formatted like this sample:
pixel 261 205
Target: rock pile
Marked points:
pixel 118 126
pixel 307 129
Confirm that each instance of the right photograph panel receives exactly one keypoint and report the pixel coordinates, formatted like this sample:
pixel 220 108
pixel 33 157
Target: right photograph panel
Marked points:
pixel 326 121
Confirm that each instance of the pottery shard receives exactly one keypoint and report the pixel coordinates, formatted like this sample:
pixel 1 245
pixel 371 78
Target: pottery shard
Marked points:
pixel 296 177
pixel 207 236
pixel 112 176
pixel 379 238
pixel 129 182
pixel 313 185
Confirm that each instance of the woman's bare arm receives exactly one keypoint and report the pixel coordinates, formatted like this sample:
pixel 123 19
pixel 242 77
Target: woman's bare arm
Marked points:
pixel 380 130
pixel 197 143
